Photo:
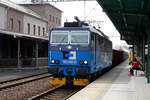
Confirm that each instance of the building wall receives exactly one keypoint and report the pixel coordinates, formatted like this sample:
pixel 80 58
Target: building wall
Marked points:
pixel 47 10
pixel 16 16
pixel 33 21
pixel 55 14
pixel 3 18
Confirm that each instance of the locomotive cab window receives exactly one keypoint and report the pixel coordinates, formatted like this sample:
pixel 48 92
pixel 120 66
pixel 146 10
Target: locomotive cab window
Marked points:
pixel 59 37
pixel 79 37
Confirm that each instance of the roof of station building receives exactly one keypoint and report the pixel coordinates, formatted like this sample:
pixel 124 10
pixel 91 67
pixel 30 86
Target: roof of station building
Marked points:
pixel 24 36
pixel 130 17
pixel 41 4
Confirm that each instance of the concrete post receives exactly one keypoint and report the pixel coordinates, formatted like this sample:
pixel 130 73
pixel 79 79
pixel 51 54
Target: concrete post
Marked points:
pixel 36 54
pixel 19 56
pixel 133 51
pixel 143 51
pixel 148 66
pixel 139 49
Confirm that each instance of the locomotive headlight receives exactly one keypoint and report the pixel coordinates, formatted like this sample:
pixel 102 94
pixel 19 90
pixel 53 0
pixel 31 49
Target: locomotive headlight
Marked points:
pixel 81 62
pixel 52 61
pixel 85 62
pixel 57 61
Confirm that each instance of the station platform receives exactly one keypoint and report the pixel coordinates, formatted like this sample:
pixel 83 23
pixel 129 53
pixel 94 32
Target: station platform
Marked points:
pixel 116 85
pixel 12 74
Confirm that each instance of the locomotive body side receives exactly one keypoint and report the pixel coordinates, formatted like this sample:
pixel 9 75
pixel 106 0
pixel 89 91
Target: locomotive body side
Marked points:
pixel 101 50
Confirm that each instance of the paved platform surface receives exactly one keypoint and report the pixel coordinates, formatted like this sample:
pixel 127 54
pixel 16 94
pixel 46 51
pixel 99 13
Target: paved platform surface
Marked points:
pixel 24 72
pixel 116 85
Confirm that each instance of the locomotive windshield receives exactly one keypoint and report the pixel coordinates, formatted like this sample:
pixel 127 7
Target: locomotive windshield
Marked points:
pixel 73 37
pixel 59 37
pixel 79 37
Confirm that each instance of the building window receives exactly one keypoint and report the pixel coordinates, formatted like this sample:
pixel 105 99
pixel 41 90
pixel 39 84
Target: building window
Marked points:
pixel 53 19
pixel 59 21
pixel 28 28
pixel 34 29
pixel 50 17
pixel 18 26
pixel 39 30
pixel 11 24
pixel 56 20
pixel 43 31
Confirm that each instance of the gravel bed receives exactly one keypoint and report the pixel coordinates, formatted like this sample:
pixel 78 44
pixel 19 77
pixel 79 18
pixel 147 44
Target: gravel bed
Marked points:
pixel 25 91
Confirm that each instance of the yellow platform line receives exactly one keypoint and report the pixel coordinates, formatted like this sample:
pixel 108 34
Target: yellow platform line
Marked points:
pixel 99 91
pixel 102 88
pixel 109 81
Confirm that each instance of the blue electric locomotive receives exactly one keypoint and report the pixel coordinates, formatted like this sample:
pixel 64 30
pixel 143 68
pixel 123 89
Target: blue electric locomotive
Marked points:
pixel 77 52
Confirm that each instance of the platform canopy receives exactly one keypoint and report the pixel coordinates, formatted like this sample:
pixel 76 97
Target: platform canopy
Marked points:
pixel 130 17
pixel 24 36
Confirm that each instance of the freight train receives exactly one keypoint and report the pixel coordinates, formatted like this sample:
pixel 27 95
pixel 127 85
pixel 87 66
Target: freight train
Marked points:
pixel 78 53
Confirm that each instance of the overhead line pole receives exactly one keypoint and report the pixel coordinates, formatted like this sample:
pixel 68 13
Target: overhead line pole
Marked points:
pixel 84 11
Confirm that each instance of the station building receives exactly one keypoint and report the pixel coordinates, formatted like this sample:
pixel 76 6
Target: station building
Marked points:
pixel 50 12
pixel 23 36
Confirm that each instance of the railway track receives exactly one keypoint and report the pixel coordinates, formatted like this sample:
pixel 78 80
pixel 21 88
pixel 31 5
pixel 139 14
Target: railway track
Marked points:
pixel 22 80
pixel 57 93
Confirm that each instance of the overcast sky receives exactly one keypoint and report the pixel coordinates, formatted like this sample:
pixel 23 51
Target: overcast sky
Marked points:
pixel 92 11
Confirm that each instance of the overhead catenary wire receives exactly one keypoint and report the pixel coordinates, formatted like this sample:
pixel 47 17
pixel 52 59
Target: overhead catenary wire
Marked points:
pixel 92 10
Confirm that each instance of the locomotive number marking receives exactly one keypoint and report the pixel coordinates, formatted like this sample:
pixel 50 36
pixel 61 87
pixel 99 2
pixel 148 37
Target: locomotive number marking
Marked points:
pixel 69 62
pixel 73 57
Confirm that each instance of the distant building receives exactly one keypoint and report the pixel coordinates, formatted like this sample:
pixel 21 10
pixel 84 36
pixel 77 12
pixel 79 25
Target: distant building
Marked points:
pixel 15 18
pixel 23 36
pixel 52 13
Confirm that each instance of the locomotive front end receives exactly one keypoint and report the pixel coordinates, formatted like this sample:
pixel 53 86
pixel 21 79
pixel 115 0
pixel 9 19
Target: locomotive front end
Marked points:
pixel 69 56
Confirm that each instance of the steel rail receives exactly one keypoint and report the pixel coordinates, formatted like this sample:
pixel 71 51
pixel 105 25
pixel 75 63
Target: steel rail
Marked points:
pixel 44 93
pixel 51 92
pixel 20 81
pixel 22 77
